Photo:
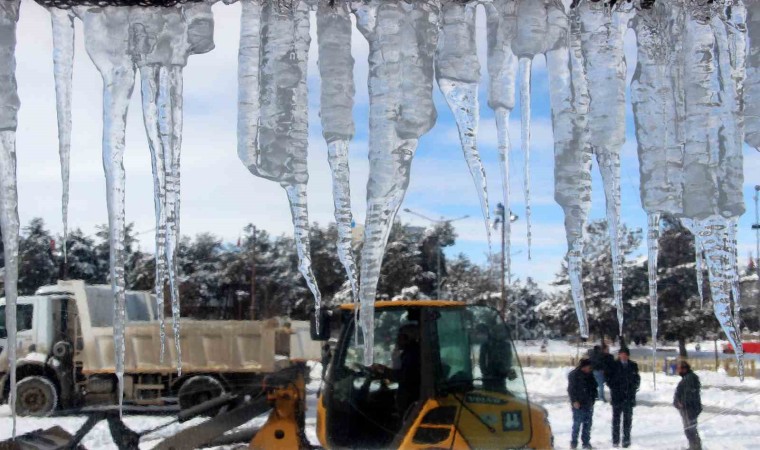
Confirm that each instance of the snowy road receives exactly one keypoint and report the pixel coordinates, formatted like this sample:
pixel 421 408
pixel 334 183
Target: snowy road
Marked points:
pixel 730 420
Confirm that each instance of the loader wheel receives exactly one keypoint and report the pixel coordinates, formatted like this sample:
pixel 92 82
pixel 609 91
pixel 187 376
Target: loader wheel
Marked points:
pixel 199 389
pixel 36 396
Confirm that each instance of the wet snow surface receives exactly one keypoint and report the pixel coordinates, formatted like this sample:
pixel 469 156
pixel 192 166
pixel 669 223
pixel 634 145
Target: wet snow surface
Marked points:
pixel 656 423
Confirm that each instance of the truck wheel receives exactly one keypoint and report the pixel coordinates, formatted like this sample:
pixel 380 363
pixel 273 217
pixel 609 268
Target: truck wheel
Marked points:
pixel 199 389
pixel 36 396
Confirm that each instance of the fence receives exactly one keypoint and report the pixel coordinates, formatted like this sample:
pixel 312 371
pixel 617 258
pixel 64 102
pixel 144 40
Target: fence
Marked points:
pixel 645 364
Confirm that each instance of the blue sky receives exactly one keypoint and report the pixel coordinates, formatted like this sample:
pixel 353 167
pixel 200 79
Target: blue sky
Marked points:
pixel 221 196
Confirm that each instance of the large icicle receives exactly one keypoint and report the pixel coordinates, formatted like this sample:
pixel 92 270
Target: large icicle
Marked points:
pixel 402 41
pixel 530 40
pixel 9 221
pixel 161 40
pixel 570 99
pixel 603 27
pixel 502 72
pixel 712 158
pixel 336 70
pixel 106 36
pixel 272 114
pixel 458 76
pixel 63 63
pixel 658 133
pixel 752 81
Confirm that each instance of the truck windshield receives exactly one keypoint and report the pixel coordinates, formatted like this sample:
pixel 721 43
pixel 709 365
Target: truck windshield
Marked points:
pixel 24 315
pixel 476 352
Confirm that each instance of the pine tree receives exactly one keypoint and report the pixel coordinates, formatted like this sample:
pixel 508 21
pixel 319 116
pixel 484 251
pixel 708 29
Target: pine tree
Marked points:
pixel 37 261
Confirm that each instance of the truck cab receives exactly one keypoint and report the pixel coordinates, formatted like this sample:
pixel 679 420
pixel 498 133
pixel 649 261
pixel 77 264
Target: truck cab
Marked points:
pixel 50 342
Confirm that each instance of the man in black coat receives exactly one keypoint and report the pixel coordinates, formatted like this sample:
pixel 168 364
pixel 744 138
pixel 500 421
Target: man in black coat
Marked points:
pixel 581 388
pixel 688 402
pixel 601 361
pixel 624 380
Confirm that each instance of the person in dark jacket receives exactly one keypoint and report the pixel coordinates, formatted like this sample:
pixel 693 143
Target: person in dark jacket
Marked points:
pixel 688 402
pixel 581 388
pixel 601 361
pixel 624 380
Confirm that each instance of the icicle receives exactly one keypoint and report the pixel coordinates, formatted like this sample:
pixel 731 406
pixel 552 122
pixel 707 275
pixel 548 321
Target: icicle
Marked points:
pixel 699 267
pixel 653 235
pixel 106 33
pixel 530 40
pixel 733 270
pixel 525 66
pixel 63 63
pixel 711 200
pixel 458 76
pixel 336 69
pixel 713 232
pixel 502 72
pixel 402 40
pixel 572 154
pixel 161 40
pixel 657 133
pixel 9 221
pixel 752 80
pixel 150 89
pixel 602 33
pixel 272 99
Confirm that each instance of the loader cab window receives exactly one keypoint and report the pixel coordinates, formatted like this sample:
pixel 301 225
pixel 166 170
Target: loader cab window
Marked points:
pixel 368 402
pixel 476 353
pixel 24 316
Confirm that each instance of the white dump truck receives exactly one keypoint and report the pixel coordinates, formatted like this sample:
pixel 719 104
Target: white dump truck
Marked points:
pixel 66 352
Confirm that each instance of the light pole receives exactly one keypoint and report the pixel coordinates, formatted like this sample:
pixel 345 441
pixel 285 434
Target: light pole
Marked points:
pixel 756 227
pixel 435 222
pixel 501 214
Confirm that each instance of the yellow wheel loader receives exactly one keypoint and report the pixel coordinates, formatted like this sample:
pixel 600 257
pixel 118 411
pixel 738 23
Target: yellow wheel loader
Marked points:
pixel 444 375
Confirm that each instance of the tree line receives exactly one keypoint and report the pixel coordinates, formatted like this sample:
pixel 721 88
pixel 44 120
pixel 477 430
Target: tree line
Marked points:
pixel 219 279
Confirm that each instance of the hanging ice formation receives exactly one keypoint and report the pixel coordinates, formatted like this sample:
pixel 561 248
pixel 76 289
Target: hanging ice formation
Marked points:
pixel 119 40
pixel 603 25
pixel 458 75
pixel 570 99
pixel 9 221
pixel 402 42
pixel 161 39
pixel 336 70
pixel 752 81
pixel 272 107
pixel 502 72
pixel 528 42
pixel 63 64
pixel 658 114
pixel 713 135
pixel 696 91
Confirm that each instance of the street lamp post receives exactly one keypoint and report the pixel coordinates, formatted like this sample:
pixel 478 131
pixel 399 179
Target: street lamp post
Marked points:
pixel 501 213
pixel 756 227
pixel 435 222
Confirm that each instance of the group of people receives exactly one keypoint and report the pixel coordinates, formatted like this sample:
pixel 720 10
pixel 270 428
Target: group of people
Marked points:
pixel 586 385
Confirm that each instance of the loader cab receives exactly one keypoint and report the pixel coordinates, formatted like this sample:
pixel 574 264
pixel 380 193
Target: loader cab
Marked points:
pixel 443 373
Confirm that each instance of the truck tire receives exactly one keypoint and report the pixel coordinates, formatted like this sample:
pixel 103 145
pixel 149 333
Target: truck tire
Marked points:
pixel 36 396
pixel 199 389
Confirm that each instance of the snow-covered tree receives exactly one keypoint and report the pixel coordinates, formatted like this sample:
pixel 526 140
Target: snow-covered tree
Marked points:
pixel 37 261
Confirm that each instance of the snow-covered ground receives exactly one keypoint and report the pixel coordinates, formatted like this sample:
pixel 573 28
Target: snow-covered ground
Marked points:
pixel 656 424
pixel 731 419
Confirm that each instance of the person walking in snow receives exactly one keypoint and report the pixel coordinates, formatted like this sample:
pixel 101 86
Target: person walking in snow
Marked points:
pixel 689 403
pixel 601 361
pixel 582 390
pixel 624 380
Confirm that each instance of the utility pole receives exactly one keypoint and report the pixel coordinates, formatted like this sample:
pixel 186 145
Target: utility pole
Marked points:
pixel 253 274
pixel 756 227
pixel 501 214
pixel 440 221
